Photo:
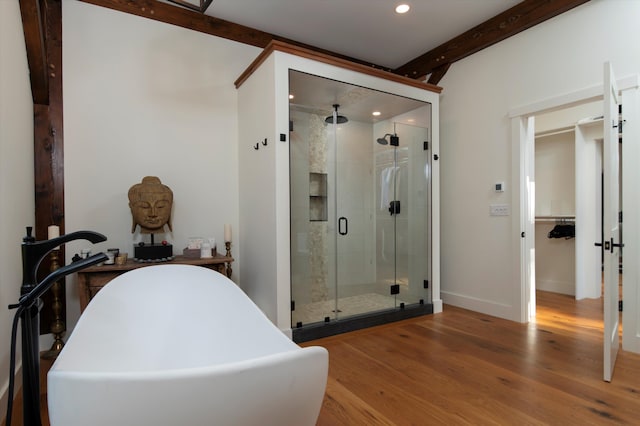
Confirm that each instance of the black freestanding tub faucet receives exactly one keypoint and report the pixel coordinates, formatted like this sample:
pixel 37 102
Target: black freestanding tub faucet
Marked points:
pixel 28 310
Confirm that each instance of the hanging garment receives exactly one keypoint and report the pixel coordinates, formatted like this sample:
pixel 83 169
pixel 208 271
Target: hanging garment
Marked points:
pixel 387 189
pixel 563 231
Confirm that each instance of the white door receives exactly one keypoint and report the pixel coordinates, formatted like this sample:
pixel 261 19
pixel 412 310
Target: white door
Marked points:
pixel 611 232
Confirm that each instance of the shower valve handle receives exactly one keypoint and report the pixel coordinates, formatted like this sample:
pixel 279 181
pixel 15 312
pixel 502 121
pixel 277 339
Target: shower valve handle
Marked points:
pixel 394 207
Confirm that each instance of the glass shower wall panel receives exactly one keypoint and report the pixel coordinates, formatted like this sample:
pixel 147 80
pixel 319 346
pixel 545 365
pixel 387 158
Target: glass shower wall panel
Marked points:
pixel 349 252
pixel 385 182
pixel 358 292
pixel 412 221
pixel 309 238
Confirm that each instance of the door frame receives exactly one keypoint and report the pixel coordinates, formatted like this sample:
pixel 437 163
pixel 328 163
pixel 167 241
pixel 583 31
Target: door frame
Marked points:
pixel 523 219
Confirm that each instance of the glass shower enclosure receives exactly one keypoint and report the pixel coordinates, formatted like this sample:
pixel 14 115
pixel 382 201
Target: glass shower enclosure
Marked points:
pixel 360 188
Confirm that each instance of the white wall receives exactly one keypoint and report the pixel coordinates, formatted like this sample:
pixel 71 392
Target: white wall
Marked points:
pixel 562 55
pixel 146 98
pixel 16 171
pixel 555 175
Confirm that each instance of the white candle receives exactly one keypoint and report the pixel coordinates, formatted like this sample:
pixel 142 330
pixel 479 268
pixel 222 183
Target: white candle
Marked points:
pixel 53 231
pixel 227 233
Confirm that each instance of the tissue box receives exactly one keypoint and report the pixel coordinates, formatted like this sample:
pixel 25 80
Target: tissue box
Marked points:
pixel 191 253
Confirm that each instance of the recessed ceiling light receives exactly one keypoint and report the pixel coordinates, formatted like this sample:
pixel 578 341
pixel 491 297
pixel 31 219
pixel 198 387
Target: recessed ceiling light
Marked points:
pixel 375 113
pixel 291 96
pixel 402 8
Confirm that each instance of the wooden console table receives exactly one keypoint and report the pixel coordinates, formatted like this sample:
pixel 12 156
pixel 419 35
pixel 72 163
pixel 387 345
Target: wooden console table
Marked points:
pixel 93 278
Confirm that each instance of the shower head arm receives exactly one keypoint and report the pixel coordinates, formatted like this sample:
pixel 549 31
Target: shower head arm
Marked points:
pixel 335 117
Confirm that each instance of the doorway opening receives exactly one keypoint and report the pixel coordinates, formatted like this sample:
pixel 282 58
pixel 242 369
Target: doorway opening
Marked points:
pixel 621 102
pixel 568 200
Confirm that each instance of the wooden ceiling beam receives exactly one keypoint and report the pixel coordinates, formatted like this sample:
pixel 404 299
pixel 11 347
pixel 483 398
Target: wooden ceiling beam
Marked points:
pixel 514 20
pixel 186 18
pixel 438 73
pixel 190 19
pixel 33 24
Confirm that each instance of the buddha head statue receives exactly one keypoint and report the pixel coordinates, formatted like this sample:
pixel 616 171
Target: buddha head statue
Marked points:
pixel 150 202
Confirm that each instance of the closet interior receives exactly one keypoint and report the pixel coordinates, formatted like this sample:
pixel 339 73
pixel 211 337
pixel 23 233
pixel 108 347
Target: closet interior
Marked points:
pixel 568 201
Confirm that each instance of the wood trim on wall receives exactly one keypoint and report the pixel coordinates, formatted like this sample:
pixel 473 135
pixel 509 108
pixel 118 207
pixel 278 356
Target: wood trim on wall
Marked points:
pixel 42 23
pixel 327 59
pixel 32 24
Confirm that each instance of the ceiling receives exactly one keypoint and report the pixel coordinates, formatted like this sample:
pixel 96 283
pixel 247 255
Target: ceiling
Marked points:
pixel 318 95
pixel 420 44
pixel 368 30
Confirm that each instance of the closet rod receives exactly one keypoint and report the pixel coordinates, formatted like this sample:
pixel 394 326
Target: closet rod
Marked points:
pixel 555 218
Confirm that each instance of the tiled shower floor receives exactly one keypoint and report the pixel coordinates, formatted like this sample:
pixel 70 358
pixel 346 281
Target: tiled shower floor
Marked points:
pixel 347 306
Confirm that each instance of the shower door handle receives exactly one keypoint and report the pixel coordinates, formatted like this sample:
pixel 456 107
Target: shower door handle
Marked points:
pixel 343 221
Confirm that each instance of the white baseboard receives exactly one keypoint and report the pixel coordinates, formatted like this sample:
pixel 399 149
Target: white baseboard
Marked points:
pixel 5 389
pixel 555 286
pixel 483 306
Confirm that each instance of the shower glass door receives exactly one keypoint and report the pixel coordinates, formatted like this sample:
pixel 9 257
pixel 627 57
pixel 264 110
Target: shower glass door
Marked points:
pixel 412 217
pixel 360 204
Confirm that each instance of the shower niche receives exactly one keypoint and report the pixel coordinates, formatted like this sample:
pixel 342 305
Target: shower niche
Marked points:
pixel 339 225
pixel 318 197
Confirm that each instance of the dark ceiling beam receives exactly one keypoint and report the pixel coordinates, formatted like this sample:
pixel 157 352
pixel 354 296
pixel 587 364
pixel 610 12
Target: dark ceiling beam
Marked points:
pixel 187 18
pixel 34 37
pixel 438 73
pixel 520 17
pixel 196 21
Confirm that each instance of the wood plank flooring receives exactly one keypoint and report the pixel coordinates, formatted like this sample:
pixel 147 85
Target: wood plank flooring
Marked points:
pixel 465 368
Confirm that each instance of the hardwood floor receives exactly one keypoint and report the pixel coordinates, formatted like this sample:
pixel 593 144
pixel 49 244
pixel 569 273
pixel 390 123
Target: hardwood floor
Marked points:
pixel 461 367
pixel 17 403
pixel 465 368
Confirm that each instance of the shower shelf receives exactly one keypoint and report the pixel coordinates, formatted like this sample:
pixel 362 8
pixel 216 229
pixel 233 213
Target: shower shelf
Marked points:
pixel 318 197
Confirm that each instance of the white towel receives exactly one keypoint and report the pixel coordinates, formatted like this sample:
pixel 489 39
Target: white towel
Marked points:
pixel 386 176
pixel 389 186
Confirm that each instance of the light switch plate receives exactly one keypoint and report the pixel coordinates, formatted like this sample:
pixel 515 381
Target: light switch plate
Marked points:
pixel 499 210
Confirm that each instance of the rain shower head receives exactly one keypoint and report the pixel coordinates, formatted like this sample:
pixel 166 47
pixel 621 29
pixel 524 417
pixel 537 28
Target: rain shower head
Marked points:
pixel 340 119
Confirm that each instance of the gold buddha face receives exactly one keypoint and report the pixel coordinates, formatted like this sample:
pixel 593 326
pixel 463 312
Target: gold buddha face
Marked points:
pixel 150 202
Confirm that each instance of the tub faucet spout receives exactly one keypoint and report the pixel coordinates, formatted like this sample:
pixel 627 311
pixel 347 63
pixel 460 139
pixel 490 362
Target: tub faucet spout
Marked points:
pixel 34 251
pixel 29 308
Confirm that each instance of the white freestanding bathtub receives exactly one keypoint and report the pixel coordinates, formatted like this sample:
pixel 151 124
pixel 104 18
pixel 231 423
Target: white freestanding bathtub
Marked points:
pixel 182 345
